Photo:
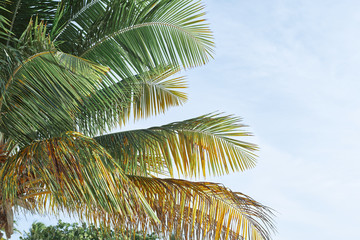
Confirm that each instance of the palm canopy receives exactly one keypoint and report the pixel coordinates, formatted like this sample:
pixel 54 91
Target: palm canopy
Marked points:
pixel 71 71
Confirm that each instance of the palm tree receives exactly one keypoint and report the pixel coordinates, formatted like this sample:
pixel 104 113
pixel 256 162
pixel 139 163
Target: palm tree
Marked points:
pixel 73 70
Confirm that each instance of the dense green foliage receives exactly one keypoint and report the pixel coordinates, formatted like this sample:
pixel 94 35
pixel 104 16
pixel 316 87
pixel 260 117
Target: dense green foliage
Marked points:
pixel 67 231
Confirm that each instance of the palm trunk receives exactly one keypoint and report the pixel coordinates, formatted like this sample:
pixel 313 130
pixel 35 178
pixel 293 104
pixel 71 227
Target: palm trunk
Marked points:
pixel 7 219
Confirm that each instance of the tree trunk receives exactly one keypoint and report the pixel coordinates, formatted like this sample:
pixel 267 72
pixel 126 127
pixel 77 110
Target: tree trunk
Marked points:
pixel 7 218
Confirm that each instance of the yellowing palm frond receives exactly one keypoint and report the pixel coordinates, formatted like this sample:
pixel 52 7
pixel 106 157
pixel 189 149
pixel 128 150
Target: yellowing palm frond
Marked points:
pixel 204 210
pixel 194 147
pixel 157 92
pixel 75 174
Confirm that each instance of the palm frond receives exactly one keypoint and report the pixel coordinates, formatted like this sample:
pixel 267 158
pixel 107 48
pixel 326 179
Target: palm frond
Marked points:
pixel 19 13
pixel 34 39
pixel 194 147
pixel 33 91
pixel 74 174
pixel 103 109
pixel 128 36
pixel 5 23
pixel 146 95
pixel 204 210
pixel 70 11
pixel 156 93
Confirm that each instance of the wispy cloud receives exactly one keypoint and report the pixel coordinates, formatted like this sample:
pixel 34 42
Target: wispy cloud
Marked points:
pixel 291 68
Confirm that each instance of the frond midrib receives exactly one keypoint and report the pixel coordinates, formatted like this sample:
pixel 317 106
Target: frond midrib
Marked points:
pixel 159 85
pixel 76 16
pixel 13 20
pixel 136 27
pixel 11 78
pixel 203 132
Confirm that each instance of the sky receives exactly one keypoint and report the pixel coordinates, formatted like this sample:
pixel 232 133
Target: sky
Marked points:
pixel 291 70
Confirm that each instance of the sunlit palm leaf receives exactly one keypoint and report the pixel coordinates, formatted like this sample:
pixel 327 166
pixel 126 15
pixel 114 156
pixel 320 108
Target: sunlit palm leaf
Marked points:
pixel 203 210
pixel 134 37
pixel 157 93
pixel 72 173
pixel 148 94
pixel 194 147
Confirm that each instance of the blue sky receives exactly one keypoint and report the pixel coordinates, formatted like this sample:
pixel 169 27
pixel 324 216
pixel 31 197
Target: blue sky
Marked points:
pixel 291 69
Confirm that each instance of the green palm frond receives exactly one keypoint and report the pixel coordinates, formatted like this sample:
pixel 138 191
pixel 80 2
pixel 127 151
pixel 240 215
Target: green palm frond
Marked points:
pixel 81 12
pixel 33 91
pixel 197 146
pixel 145 95
pixel 103 109
pixel 35 39
pixel 19 13
pixel 204 210
pixel 4 32
pixel 73 173
pixel 135 37
pixel 4 22
pixel 157 93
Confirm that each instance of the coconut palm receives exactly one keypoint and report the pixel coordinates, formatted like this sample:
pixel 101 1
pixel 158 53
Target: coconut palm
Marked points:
pixel 72 71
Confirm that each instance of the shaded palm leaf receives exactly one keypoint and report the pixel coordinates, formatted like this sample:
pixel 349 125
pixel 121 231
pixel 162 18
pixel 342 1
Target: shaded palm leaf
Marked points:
pixel 4 22
pixel 34 39
pixel 196 147
pixel 19 13
pixel 33 91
